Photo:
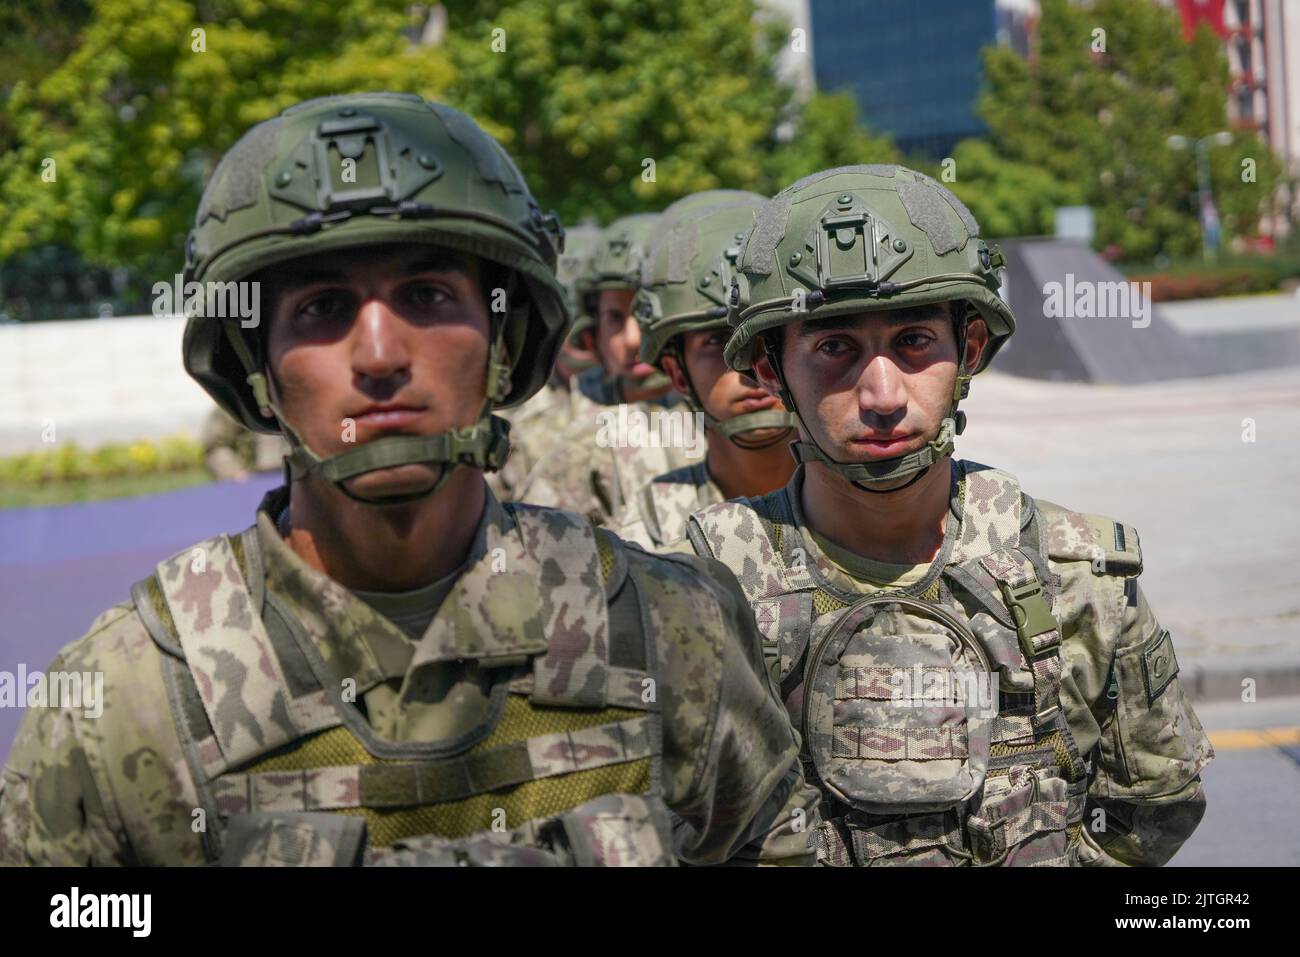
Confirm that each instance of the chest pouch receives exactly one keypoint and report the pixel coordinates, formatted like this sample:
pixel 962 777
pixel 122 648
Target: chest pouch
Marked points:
pixel 898 707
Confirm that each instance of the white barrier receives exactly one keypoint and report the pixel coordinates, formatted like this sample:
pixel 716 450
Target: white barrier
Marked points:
pixel 95 381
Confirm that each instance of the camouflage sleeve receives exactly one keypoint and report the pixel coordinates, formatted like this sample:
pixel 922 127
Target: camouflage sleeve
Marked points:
pixel 51 810
pixel 732 772
pixel 1123 701
pixel 631 527
pixel 1152 747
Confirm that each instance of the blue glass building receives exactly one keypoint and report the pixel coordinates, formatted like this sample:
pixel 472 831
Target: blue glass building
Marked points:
pixel 915 65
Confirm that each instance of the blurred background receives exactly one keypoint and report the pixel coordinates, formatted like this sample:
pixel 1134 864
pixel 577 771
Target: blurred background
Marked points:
pixel 1150 140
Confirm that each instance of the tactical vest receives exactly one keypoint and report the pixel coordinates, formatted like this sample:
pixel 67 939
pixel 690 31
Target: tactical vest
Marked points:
pixel 667 501
pixel 565 769
pixel 914 767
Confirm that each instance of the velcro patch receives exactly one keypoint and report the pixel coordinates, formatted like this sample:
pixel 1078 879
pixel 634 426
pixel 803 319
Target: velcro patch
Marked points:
pixel 1159 665
pixel 1113 548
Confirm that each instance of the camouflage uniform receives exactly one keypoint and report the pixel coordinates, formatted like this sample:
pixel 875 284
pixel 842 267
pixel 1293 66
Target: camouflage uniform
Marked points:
pixel 229 448
pixel 657 517
pixel 536 423
pixel 513 699
pixel 1091 713
pixel 534 427
pixel 685 279
pixel 572 700
pixel 1059 733
pixel 599 482
pixel 573 471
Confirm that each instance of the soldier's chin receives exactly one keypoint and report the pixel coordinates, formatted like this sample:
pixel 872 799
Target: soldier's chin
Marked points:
pixel 762 438
pixel 396 482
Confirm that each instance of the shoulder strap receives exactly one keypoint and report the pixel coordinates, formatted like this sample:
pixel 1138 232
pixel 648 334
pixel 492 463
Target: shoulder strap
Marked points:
pixel 199 607
pixel 998 562
pixel 630 653
pixel 990 512
pixel 560 549
pixel 666 501
pixel 777 582
pixel 740 534
pixel 650 514
pixel 1112 547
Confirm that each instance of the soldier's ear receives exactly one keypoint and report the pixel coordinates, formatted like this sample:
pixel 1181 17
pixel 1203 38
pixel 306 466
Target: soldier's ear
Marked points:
pixel 766 375
pixel 977 340
pixel 674 371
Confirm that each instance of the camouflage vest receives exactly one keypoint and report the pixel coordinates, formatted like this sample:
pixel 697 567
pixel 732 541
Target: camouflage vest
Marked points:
pixel 288 772
pixel 667 501
pixel 914 767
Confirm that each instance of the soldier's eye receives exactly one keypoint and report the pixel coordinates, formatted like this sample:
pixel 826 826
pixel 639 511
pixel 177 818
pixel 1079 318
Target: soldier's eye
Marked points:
pixel 915 340
pixel 426 294
pixel 832 347
pixel 330 305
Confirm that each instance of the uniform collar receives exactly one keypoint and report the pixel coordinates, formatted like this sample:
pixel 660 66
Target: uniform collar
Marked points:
pixel 360 642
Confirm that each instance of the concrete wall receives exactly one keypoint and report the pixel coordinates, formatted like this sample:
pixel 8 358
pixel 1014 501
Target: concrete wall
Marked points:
pixel 97 380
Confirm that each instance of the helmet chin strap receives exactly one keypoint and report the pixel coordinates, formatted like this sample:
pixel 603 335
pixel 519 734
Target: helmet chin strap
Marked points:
pixel 483 445
pixel 883 476
pixel 738 427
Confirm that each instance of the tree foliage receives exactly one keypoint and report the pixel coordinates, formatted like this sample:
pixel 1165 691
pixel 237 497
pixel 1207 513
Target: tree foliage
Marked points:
pixel 609 106
pixel 1095 107
pixel 111 147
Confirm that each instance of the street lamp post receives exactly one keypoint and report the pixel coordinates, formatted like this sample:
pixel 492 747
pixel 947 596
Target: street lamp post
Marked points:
pixel 1205 195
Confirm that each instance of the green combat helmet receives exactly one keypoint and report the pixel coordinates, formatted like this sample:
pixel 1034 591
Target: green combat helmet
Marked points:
pixel 616 264
pixel 419 173
pixel 685 278
pixel 865 239
pixel 573 270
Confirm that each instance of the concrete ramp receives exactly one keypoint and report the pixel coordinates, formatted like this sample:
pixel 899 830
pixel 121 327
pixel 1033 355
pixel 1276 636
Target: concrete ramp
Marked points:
pixel 1067 327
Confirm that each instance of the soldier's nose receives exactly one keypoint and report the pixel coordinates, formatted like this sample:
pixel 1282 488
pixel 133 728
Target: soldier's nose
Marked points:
pixel 378 349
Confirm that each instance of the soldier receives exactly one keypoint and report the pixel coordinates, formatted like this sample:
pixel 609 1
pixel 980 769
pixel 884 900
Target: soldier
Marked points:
pixel 301 692
pixel 231 452
pixel 605 289
pixel 976 675
pixel 535 424
pixel 682 307
pixel 572 269
pixel 579 471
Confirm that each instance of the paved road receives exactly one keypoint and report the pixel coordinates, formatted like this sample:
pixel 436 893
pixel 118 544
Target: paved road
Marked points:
pixel 1252 814
pixel 61 566
pixel 1219 517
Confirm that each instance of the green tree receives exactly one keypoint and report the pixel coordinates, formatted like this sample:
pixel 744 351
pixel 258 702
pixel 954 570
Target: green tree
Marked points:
pixel 1007 198
pixel 1095 107
pixel 826 134
pixel 615 106
pixel 609 106
pixel 134 118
